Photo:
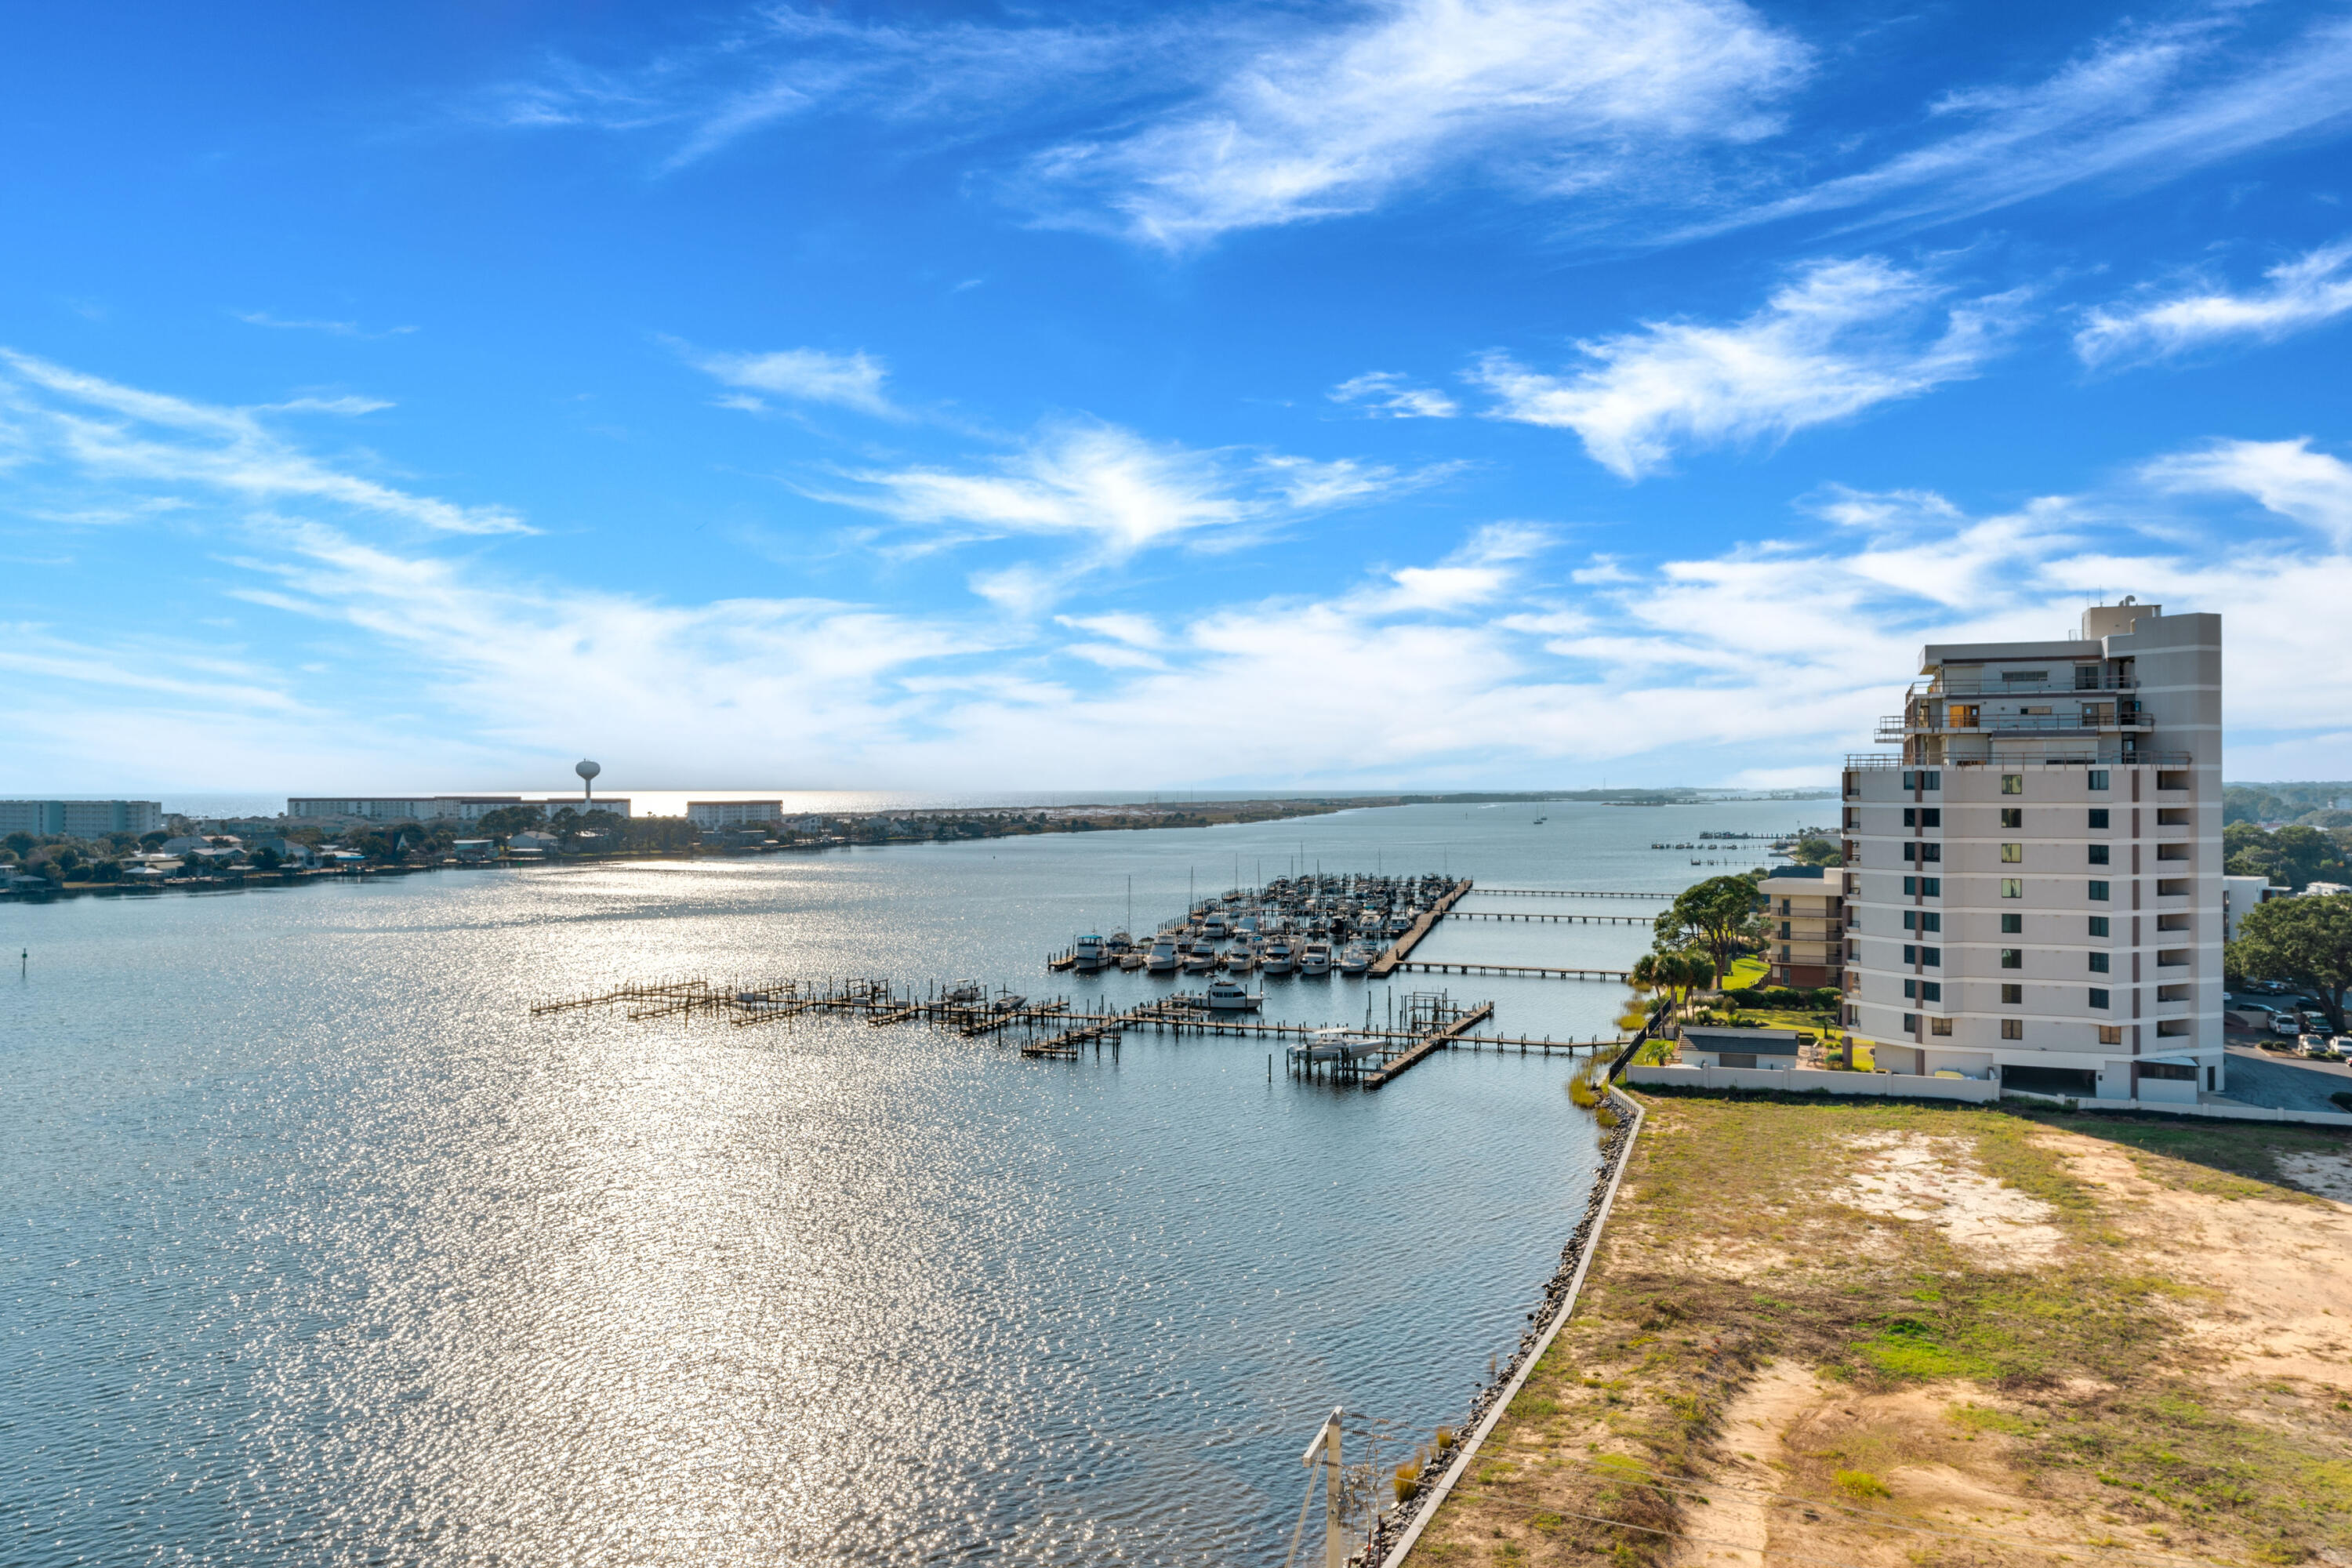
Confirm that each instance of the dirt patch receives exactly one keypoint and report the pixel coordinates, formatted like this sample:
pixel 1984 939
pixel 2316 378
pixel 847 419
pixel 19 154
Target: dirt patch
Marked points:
pixel 2329 1175
pixel 1908 1176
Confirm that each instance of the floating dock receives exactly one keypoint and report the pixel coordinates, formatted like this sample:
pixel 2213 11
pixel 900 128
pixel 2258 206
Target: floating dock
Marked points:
pixel 1386 963
pixel 1555 920
pixel 1575 893
pixel 1459 966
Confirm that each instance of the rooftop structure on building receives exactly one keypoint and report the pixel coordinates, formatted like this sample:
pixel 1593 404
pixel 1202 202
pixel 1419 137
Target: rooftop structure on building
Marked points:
pixel 439 807
pixel 2033 883
pixel 80 819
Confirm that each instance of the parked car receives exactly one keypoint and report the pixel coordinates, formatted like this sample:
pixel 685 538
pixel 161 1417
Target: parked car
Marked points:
pixel 2286 1024
pixel 2324 1046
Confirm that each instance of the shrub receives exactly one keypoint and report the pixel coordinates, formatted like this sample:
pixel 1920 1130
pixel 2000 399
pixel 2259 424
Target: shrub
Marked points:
pixel 1861 1483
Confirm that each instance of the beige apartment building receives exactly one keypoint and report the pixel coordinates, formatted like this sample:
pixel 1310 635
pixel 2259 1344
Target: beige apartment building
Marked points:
pixel 1804 926
pixel 2033 884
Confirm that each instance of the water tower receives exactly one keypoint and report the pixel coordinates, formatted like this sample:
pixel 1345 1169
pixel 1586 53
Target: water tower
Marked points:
pixel 587 772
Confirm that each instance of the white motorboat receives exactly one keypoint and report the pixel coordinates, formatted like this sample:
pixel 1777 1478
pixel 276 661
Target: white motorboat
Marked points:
pixel 1231 996
pixel 1090 952
pixel 1315 958
pixel 1278 956
pixel 1239 957
pixel 1200 960
pixel 1162 959
pixel 1213 925
pixel 966 991
pixel 1357 959
pixel 1009 1003
pixel 1122 944
pixel 1335 1045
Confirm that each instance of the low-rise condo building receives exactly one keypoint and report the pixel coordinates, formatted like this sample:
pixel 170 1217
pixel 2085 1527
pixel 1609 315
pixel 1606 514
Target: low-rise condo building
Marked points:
pixel 2033 884
pixel 732 813
pixel 1804 926
pixel 80 819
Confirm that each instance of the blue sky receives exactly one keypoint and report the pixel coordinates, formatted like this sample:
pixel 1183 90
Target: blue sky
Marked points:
pixel 1503 394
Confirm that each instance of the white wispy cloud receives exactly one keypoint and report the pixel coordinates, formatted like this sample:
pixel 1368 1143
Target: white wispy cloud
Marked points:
pixel 2286 477
pixel 1386 394
pixel 1120 492
pixel 118 433
pixel 1841 337
pixel 804 376
pixel 1567 95
pixel 2308 292
pixel 2147 103
pixel 332 329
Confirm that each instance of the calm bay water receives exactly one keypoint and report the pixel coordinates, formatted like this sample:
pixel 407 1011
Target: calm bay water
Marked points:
pixel 316 1248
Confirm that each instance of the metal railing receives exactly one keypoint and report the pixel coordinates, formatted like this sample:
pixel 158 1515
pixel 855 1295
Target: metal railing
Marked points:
pixel 2101 757
pixel 1943 686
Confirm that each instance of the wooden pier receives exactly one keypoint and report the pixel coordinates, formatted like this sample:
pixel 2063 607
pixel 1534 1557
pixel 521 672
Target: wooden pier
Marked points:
pixel 1386 963
pixel 1574 893
pixel 1459 967
pixel 1555 920
pixel 1057 1028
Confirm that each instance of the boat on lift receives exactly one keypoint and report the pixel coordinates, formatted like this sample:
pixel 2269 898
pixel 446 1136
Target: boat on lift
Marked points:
pixel 966 991
pixel 1335 1045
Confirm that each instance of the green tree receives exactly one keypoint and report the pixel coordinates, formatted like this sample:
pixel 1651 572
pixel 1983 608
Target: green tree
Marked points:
pixel 1718 917
pixel 2303 942
pixel 153 840
pixel 22 843
pixel 507 821
pixel 1815 850
pixel 266 859
pixel 1675 973
pixel 2294 856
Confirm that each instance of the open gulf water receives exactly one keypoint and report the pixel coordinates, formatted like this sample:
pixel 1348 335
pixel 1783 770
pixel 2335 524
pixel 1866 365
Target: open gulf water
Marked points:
pixel 316 1248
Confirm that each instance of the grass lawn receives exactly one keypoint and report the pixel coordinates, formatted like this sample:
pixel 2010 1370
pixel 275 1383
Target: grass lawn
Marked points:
pixel 1746 972
pixel 1880 1333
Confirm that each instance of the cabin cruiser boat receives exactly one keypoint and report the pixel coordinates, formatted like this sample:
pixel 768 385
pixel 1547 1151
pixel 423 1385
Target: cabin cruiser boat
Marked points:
pixel 1278 956
pixel 1399 924
pixel 1229 996
pixel 1357 959
pixel 966 991
pixel 1335 1046
pixel 1239 957
pixel 1213 925
pixel 1200 960
pixel 1090 952
pixel 1122 944
pixel 1162 959
pixel 1315 958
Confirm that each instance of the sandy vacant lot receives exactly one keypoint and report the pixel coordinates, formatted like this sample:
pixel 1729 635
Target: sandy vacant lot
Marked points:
pixel 1863 1335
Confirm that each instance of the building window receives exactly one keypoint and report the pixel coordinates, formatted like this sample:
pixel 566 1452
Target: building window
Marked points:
pixel 1911 919
pixel 1910 954
pixel 2098 853
pixel 2012 958
pixel 2111 1034
pixel 2099 925
pixel 2098 778
pixel 1939 1026
pixel 1910 1023
pixel 2012 783
pixel 2013 816
pixel 2099 892
pixel 1932 955
pixel 1910 886
pixel 2098 997
pixel 1931 887
pixel 2012 854
pixel 2098 816
pixel 1930 919
pixel 2087 677
pixel 2174 1026
pixel 2012 925
pixel 1931 816
pixel 1928 852
pixel 1910 990
pixel 2014 995
pixel 2013 887
pixel 2012 1028
pixel 1930 991
pixel 1910 781
pixel 1853 1015
pixel 2098 963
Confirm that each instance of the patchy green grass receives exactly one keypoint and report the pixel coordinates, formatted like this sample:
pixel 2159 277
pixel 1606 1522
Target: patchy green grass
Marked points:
pixel 2067 1385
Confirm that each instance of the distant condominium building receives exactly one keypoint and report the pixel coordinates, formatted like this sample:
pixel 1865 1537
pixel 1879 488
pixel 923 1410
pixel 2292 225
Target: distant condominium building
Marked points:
pixel 2034 885
pixel 439 807
pixel 732 813
pixel 80 819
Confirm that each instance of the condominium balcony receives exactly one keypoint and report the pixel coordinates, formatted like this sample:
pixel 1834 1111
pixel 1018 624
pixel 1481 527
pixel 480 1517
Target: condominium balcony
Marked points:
pixel 1967 721
pixel 1968 684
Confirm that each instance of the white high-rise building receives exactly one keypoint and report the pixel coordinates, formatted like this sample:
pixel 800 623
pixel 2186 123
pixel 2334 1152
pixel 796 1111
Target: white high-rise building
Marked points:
pixel 2033 886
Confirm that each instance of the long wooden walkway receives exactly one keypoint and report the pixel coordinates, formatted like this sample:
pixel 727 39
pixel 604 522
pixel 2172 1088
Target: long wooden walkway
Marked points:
pixel 1557 920
pixel 1387 962
pixel 1428 1045
pixel 1574 893
pixel 1457 966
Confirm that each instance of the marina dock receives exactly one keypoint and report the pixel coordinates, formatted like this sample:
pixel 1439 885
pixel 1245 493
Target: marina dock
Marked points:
pixel 1557 920
pixel 1574 893
pixel 1458 967
pixel 1387 962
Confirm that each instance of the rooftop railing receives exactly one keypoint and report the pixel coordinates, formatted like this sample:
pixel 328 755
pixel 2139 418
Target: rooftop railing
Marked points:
pixel 2103 757
pixel 1948 686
